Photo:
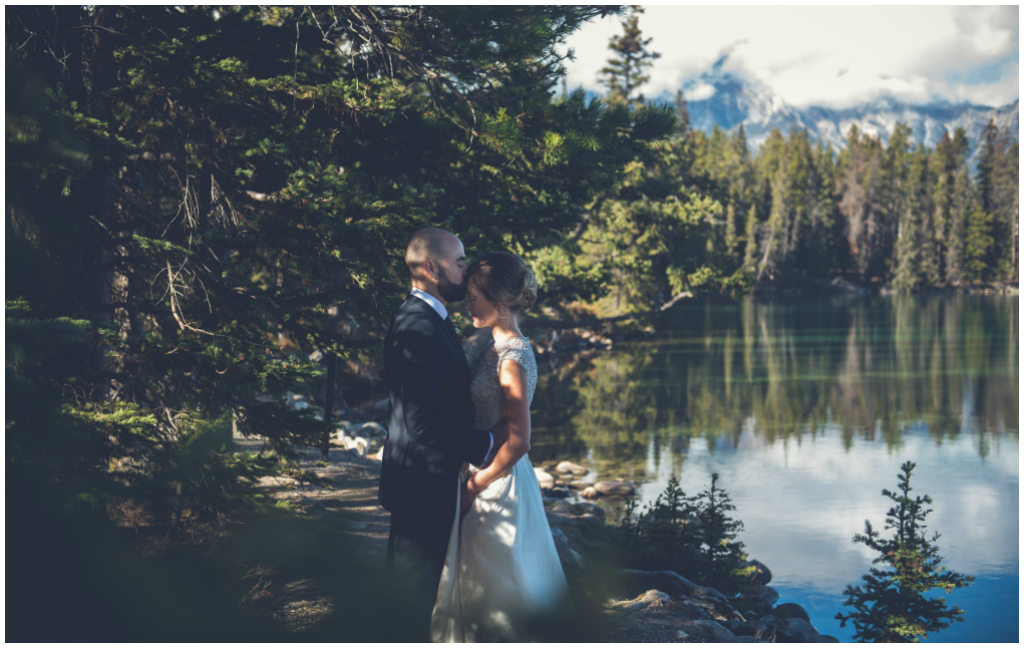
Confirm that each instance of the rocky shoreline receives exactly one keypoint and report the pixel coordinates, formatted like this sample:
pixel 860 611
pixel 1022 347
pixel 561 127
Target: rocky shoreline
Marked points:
pixel 662 606
pixel 647 607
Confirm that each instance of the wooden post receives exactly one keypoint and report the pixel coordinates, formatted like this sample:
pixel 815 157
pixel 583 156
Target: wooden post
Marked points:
pixel 332 374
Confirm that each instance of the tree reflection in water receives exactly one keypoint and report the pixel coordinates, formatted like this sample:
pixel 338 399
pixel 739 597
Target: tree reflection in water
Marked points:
pixel 870 367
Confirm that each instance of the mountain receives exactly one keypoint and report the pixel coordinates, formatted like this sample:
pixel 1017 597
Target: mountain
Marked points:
pixel 727 99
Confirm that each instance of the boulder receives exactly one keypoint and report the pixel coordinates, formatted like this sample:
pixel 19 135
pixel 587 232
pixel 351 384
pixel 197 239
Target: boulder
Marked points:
pixel 760 574
pixel 544 478
pixel 590 493
pixel 766 596
pixel 589 510
pixel 705 631
pixel 615 489
pixel 372 429
pixel 645 600
pixel 763 628
pixel 580 484
pixel 581 516
pixel 792 610
pixel 796 630
pixel 632 581
pixel 570 467
pixel 556 493
pixel 357 444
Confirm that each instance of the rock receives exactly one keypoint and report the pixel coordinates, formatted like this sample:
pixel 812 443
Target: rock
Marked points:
pixel 580 515
pixel 746 639
pixel 589 493
pixel 358 444
pixel 570 467
pixel 631 581
pixel 760 575
pixel 580 484
pixel 792 610
pixel 645 600
pixel 705 631
pixel 766 596
pixel 557 493
pixel 614 489
pixel 544 478
pixel 711 593
pixel 763 628
pixel 589 510
pixel 371 429
pixel 796 630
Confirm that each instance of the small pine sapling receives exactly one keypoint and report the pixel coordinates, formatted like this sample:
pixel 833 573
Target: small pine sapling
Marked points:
pixel 892 606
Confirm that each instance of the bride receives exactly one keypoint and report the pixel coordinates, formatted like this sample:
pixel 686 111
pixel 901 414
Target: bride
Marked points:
pixel 501 570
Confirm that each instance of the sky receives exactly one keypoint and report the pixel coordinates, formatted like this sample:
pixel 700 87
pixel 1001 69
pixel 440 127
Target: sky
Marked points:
pixel 825 55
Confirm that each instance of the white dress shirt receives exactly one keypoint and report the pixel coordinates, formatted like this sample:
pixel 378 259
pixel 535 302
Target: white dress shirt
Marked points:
pixel 443 312
pixel 433 301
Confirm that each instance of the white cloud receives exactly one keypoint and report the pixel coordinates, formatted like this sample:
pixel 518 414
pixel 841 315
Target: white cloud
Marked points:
pixel 825 55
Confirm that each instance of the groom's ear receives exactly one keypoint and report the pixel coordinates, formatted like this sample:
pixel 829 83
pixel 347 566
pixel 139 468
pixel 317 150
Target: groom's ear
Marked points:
pixel 430 268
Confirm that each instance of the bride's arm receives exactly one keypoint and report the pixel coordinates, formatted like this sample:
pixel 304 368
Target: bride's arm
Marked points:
pixel 515 391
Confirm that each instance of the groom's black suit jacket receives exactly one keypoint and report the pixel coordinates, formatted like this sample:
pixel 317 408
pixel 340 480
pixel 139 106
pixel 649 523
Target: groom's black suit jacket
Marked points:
pixel 430 429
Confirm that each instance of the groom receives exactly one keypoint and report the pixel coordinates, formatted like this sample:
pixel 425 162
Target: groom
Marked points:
pixel 430 428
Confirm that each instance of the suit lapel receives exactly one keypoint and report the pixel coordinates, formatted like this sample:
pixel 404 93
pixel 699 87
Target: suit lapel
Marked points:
pixel 448 331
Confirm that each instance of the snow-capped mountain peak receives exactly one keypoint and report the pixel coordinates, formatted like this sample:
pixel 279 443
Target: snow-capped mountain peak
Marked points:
pixel 728 99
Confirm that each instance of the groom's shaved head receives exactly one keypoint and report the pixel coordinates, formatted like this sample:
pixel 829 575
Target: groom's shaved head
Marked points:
pixel 428 243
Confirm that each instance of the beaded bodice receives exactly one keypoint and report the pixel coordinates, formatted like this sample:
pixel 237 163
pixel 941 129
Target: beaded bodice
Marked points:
pixel 485 389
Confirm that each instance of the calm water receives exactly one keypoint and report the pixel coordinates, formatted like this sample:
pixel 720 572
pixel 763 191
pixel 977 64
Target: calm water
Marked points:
pixel 807 409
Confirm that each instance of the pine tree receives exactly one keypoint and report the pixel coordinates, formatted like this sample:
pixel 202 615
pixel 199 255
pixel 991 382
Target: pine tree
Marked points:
pixel 915 262
pixel 624 73
pixel 998 182
pixel 964 203
pixel 226 192
pixel 892 606
pixel 750 235
pixel 979 246
pixel 721 553
pixel 949 157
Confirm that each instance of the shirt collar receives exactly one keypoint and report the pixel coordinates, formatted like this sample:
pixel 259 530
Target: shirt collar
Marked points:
pixel 430 299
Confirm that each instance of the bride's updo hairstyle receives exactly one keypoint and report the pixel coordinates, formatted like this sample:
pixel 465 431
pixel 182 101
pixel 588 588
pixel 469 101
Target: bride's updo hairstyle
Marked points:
pixel 505 279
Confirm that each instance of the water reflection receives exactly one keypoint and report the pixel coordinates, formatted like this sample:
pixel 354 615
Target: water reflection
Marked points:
pixel 807 409
pixel 873 367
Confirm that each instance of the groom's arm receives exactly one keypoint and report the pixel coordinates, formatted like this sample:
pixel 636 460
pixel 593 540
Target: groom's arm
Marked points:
pixel 424 362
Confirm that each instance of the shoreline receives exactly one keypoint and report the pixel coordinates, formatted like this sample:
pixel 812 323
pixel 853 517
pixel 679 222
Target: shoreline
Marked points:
pixel 649 607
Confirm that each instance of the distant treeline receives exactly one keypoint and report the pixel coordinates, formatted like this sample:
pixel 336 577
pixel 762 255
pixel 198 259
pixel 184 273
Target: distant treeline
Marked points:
pixel 701 213
pixel 899 214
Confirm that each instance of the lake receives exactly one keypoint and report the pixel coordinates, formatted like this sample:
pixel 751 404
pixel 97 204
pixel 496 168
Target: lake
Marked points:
pixel 807 408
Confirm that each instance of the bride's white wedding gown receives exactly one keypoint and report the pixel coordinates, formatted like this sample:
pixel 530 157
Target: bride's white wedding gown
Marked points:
pixel 502 567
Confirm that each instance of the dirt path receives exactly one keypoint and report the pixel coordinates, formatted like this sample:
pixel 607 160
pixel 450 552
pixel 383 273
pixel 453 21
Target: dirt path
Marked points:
pixel 350 505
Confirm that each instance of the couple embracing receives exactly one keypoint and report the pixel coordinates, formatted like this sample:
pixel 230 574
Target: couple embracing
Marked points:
pixel 469 538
